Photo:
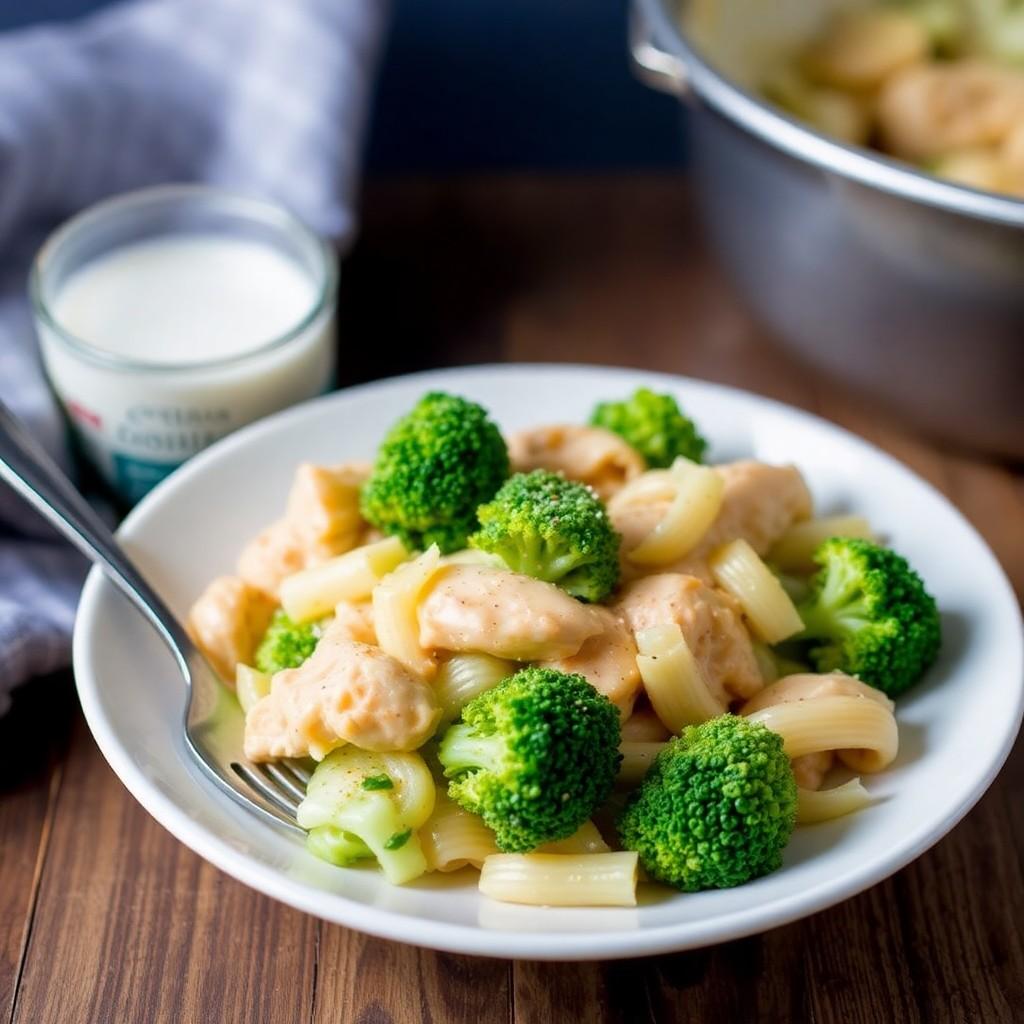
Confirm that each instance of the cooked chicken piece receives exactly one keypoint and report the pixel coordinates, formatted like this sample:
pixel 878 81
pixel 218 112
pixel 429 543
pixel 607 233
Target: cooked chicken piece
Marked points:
pixel 608 660
pixel 811 769
pixel 644 726
pixel 494 611
pixel 270 556
pixel 711 625
pixel 808 685
pixel 323 506
pixel 1013 148
pixel 354 621
pixel 929 110
pixel 322 520
pixel 227 622
pixel 760 503
pixel 592 455
pixel 345 692
pixel 859 50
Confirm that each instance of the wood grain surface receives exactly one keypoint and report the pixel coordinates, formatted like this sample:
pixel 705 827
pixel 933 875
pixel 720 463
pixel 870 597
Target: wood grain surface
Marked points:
pixel 104 917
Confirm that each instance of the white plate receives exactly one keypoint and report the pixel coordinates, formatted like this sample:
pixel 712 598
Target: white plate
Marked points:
pixel 956 728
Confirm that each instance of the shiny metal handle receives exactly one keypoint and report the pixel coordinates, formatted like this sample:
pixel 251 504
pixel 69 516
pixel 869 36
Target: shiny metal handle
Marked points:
pixel 27 467
pixel 652 65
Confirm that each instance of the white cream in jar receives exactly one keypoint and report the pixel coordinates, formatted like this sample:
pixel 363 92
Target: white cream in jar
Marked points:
pixel 169 317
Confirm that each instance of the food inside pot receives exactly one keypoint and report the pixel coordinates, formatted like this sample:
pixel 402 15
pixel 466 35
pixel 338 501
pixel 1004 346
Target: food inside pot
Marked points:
pixel 938 83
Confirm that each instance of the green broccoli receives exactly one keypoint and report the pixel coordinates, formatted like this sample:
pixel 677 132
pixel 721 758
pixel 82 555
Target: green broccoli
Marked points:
pixel 716 808
pixel 654 425
pixel 355 810
pixel 434 467
pixel 286 644
pixel 555 529
pixel 870 616
pixel 534 756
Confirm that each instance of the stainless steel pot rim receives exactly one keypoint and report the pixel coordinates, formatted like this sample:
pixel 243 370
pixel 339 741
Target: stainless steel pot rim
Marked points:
pixel 775 128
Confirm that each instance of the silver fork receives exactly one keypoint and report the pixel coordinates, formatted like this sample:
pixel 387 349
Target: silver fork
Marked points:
pixel 213 728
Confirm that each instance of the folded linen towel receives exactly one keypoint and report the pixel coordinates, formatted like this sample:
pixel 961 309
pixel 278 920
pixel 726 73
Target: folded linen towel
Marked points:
pixel 266 96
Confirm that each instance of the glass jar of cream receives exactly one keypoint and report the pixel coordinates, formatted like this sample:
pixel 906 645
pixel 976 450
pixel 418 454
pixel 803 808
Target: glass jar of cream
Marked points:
pixel 171 316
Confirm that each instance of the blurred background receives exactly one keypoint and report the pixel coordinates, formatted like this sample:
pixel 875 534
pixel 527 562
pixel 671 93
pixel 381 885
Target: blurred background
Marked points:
pixel 480 104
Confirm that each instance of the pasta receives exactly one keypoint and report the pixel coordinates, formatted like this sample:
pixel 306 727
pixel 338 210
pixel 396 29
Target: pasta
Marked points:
pixel 349 577
pixel 766 663
pixel 825 804
pixel 673 679
pixel 696 493
pixel 411 784
pixel 452 838
pixel 863 731
pixel 738 569
pixel 465 676
pixel 557 880
pixel 250 685
pixel 644 726
pixel 587 839
pixel 794 552
pixel 394 612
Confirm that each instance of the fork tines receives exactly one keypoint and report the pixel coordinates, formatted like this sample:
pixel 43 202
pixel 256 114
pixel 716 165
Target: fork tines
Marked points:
pixel 282 783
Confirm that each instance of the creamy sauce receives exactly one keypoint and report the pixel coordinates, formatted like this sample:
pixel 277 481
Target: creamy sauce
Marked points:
pixel 185 298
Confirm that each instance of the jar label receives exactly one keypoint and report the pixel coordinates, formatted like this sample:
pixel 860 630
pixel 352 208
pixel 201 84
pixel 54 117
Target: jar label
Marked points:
pixel 134 477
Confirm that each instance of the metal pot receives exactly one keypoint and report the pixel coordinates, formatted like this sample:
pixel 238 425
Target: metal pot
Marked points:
pixel 908 288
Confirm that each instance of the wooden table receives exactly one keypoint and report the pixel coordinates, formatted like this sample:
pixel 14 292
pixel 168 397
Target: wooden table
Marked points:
pixel 105 917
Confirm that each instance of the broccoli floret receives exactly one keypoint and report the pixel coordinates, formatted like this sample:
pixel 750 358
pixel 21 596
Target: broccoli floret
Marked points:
pixel 354 810
pixel 534 756
pixel 716 808
pixel 555 529
pixel 286 644
pixel 870 616
pixel 654 425
pixel 434 467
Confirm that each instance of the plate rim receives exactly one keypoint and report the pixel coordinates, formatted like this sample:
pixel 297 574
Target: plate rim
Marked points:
pixel 452 937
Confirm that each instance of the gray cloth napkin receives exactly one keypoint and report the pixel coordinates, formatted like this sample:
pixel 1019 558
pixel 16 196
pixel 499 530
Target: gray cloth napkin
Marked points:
pixel 269 96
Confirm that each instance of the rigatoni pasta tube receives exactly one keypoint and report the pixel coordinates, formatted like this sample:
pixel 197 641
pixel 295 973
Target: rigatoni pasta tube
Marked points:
pixel 586 839
pixel 637 757
pixel 737 569
pixel 644 725
pixel 465 676
pixel 696 502
pixel 794 551
pixel 862 731
pixel 394 612
pixel 453 838
pixel 825 804
pixel 766 663
pixel 350 577
pixel 557 880
pixel 672 678
pixel 250 685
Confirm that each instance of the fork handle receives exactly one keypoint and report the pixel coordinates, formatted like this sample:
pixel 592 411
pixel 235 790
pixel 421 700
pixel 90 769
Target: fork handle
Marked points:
pixel 28 468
